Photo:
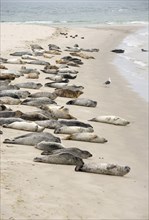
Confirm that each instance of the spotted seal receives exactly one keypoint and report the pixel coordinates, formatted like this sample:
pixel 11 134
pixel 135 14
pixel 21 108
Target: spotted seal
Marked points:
pixel 104 168
pixel 110 119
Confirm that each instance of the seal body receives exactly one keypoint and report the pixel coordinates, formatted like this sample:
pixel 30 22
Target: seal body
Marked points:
pixel 32 138
pixel 26 126
pixel 110 119
pixel 104 168
pixel 87 137
pixel 68 93
pixel 82 102
pixel 73 150
pixel 72 130
pixel 29 85
pixel 61 158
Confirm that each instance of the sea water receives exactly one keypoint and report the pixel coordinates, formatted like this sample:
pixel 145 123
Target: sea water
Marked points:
pixel 133 64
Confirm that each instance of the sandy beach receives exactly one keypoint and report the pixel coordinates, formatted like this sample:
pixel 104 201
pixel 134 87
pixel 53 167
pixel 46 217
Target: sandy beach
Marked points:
pixel 38 191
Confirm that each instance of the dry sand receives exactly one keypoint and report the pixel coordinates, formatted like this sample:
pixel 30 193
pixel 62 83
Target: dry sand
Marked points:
pixel 47 192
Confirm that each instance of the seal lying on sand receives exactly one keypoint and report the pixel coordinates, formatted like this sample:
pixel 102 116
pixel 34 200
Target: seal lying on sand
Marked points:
pixel 72 130
pixel 49 146
pixel 32 138
pixel 9 120
pixel 68 93
pixel 87 137
pixel 44 94
pixel 82 102
pixel 82 55
pixel 19 93
pixel 21 53
pixel 83 154
pixel 61 158
pixel 38 101
pixel 24 125
pixel 104 168
pixel 29 85
pixel 9 101
pixel 8 114
pixel 110 119
pixel 34 116
pixel 62 122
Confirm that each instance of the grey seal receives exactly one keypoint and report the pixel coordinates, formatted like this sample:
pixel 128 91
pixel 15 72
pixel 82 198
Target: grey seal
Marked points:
pixel 111 119
pixel 62 122
pixel 50 95
pixel 104 168
pixel 61 158
pixel 9 120
pixel 17 92
pixel 8 114
pixel 32 138
pixel 83 154
pixel 87 137
pixel 38 101
pixel 82 102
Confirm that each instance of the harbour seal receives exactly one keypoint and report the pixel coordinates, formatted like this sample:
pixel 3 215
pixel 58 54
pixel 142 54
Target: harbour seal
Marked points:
pixel 83 154
pixel 51 123
pixel 34 116
pixel 32 138
pixel 9 101
pixel 20 93
pixel 68 93
pixel 24 125
pixel 104 168
pixel 82 102
pixel 57 85
pixel 82 55
pixel 29 85
pixel 21 53
pixel 87 137
pixel 71 122
pixel 72 130
pixel 8 76
pixel 50 95
pixel 32 76
pixel 58 111
pixel 61 158
pixel 9 120
pixel 8 114
pixel 25 70
pixel 49 146
pixel 110 119
pixel 8 87
pixel 38 101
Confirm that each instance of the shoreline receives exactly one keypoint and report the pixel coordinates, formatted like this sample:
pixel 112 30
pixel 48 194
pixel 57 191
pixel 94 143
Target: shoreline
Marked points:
pixel 36 195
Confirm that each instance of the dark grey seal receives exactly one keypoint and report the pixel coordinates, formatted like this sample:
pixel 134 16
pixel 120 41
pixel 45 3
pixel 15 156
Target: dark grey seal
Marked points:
pixel 49 146
pixel 9 120
pixel 61 158
pixel 33 138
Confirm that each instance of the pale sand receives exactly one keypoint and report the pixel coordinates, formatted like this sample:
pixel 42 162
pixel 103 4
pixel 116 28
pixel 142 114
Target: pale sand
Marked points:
pixel 41 191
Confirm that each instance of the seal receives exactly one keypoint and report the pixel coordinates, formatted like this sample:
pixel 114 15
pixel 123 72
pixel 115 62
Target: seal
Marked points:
pixel 51 124
pixel 9 120
pixel 25 70
pixel 57 85
pixel 8 76
pixel 9 101
pixel 58 111
pixel 8 87
pixel 8 114
pixel 48 146
pixel 72 130
pixel 61 158
pixel 82 102
pixel 21 53
pixel 36 62
pixel 38 101
pixel 32 76
pixel 49 95
pixel 87 137
pixel 62 122
pixel 29 85
pixel 110 119
pixel 36 47
pixel 20 93
pixel 82 55
pixel 104 168
pixel 68 93
pixel 83 154
pixel 24 125
pixel 32 138
pixel 34 116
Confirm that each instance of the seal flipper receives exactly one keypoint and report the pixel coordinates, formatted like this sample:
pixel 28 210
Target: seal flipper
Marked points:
pixel 79 167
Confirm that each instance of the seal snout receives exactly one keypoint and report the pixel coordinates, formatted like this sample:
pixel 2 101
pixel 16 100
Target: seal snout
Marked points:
pixel 127 169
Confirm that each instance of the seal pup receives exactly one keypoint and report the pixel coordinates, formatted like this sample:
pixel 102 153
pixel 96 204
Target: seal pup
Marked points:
pixel 29 85
pixel 24 125
pixel 83 154
pixel 87 137
pixel 82 102
pixel 72 130
pixel 104 168
pixel 49 146
pixel 111 119
pixel 32 138
pixel 61 158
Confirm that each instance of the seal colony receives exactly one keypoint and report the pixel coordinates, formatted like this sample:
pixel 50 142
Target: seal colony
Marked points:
pixel 49 114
